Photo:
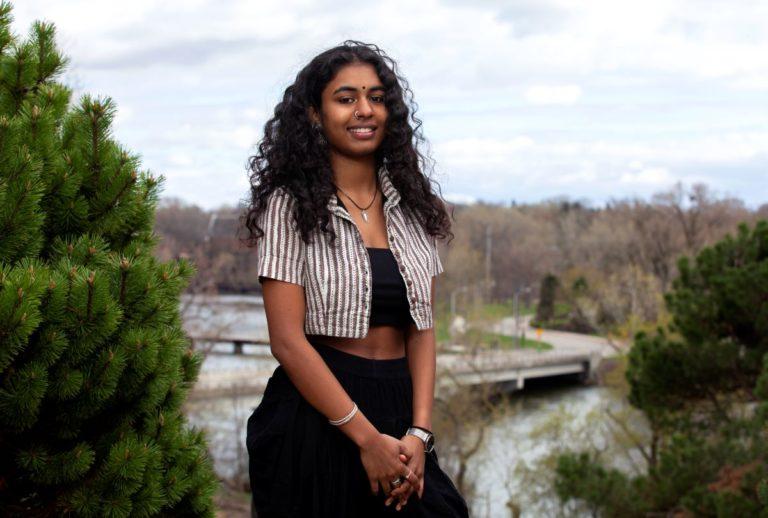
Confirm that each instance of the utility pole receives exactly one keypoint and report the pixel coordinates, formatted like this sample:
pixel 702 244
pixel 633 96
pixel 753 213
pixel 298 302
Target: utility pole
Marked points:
pixel 488 263
pixel 519 333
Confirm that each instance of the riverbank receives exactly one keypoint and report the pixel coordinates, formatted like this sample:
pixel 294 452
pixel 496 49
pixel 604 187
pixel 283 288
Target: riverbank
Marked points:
pixel 514 430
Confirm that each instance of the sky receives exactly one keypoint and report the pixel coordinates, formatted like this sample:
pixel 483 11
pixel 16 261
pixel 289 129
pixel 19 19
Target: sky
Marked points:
pixel 520 100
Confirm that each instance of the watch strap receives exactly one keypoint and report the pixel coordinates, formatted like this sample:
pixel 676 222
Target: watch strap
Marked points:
pixel 425 435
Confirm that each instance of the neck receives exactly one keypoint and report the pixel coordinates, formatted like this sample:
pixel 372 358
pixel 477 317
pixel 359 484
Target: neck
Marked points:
pixel 356 176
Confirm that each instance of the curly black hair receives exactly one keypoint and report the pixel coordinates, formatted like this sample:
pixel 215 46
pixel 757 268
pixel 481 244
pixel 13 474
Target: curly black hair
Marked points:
pixel 291 156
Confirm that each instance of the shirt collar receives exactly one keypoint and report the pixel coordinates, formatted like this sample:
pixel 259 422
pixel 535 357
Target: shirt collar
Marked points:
pixel 389 191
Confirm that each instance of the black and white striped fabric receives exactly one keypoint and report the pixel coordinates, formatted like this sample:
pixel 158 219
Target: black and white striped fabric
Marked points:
pixel 337 279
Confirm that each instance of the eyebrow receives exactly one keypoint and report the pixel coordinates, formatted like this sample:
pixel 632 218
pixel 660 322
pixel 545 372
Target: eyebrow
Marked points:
pixel 378 88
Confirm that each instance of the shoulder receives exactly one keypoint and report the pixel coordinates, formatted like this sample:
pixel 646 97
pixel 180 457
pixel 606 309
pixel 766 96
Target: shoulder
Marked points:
pixel 280 196
pixel 414 224
pixel 279 205
pixel 279 216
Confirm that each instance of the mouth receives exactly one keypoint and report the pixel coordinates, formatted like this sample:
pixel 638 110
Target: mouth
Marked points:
pixel 362 132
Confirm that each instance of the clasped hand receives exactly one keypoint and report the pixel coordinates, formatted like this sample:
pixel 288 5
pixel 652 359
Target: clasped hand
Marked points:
pixel 386 458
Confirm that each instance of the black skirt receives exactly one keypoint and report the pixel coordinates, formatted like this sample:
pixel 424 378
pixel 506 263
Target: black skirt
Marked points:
pixel 302 466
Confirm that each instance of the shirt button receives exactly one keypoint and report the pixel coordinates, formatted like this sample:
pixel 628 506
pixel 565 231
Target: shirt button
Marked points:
pixel 409 282
pixel 391 239
pixel 365 287
pixel 413 300
pixel 397 254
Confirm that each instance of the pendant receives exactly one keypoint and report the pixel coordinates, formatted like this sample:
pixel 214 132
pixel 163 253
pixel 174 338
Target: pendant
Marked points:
pixel 365 216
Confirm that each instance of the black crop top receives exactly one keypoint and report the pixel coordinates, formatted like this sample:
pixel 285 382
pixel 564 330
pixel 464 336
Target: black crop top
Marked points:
pixel 389 298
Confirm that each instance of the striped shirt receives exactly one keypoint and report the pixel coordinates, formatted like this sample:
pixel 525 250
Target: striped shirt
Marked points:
pixel 337 279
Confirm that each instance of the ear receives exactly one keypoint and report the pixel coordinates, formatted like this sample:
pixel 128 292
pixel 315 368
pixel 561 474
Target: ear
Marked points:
pixel 314 117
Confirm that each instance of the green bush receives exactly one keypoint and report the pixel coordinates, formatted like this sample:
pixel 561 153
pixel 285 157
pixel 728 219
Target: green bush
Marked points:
pixel 94 365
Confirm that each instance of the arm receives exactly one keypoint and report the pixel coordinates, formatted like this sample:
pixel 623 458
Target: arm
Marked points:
pixel 421 351
pixel 281 256
pixel 285 306
pixel 281 265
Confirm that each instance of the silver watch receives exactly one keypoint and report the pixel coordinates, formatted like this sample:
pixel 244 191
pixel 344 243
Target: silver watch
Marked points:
pixel 425 435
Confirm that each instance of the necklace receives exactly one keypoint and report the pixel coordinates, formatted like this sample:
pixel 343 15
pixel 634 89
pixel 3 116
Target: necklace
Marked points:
pixel 363 210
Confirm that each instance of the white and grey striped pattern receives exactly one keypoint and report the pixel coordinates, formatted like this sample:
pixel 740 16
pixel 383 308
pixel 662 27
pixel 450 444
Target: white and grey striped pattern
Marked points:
pixel 337 279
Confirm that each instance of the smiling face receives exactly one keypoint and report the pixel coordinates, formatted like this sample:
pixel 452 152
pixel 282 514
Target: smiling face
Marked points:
pixel 356 87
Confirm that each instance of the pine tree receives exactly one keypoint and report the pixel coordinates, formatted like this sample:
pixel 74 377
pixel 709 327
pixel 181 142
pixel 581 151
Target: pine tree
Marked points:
pixel 702 383
pixel 547 295
pixel 94 365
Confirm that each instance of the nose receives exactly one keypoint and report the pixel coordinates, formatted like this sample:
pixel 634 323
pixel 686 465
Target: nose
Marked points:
pixel 364 108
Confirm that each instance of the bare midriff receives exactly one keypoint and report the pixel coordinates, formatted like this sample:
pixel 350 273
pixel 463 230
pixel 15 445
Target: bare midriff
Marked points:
pixel 381 343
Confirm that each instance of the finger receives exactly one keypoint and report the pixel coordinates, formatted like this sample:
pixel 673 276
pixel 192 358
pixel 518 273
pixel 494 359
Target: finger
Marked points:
pixel 404 448
pixel 398 491
pixel 417 479
pixel 413 479
pixel 421 488
pixel 404 499
pixel 406 494
pixel 374 486
pixel 396 494
pixel 385 486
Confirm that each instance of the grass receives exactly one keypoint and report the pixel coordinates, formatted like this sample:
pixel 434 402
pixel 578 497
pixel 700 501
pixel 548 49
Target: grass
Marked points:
pixel 493 341
pixel 497 310
pixel 484 314
pixel 496 341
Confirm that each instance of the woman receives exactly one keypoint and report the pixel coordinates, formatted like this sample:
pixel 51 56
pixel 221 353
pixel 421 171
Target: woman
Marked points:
pixel 344 222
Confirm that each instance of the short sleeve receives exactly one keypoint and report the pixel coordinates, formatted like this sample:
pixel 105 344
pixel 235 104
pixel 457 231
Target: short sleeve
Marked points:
pixel 281 252
pixel 437 266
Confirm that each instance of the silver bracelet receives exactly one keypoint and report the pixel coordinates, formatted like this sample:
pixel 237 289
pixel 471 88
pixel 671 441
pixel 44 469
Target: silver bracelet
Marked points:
pixel 346 418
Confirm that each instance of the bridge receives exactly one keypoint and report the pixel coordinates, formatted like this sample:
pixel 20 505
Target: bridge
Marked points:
pixel 507 368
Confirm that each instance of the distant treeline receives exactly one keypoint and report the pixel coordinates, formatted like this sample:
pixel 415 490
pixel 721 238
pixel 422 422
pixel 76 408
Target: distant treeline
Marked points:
pixel 613 262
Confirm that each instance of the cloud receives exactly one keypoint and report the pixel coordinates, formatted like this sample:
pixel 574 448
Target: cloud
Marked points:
pixel 707 149
pixel 458 198
pixel 542 94
pixel 674 87
pixel 653 176
pixel 487 151
pixel 181 53
pixel 525 169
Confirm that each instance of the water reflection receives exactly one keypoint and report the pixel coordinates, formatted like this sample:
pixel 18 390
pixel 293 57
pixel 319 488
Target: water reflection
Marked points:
pixel 514 466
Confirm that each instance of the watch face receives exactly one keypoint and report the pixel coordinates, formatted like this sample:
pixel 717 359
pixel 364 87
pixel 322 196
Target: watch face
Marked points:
pixel 430 444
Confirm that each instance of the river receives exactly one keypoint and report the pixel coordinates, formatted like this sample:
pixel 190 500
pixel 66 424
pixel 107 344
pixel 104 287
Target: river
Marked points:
pixel 521 436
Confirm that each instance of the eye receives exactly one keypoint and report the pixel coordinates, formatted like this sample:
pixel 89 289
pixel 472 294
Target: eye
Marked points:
pixel 378 98
pixel 344 100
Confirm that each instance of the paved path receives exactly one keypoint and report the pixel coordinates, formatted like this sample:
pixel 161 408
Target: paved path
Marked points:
pixel 561 340
pixel 249 374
